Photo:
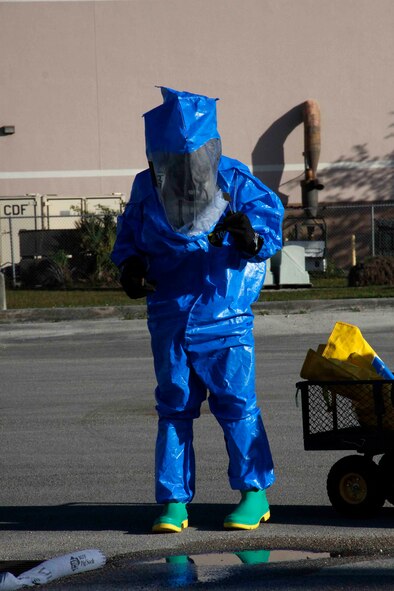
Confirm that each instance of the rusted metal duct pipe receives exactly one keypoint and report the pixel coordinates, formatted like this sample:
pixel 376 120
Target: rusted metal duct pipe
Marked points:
pixel 310 186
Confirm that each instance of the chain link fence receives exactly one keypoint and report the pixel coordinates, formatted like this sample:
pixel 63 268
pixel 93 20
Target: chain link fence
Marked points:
pixel 66 242
pixel 346 233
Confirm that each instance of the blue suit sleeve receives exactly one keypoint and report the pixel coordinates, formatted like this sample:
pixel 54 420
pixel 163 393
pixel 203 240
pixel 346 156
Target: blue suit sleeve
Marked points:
pixel 262 206
pixel 127 225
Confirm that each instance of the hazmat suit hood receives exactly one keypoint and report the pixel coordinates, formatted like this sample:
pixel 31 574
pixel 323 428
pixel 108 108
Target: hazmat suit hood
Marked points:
pixel 183 148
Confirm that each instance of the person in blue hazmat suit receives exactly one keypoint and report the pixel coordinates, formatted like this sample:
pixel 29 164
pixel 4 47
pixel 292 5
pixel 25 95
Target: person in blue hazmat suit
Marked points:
pixel 193 239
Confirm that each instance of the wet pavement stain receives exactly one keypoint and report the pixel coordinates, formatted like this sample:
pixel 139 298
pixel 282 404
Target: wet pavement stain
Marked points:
pixel 183 571
pixel 241 570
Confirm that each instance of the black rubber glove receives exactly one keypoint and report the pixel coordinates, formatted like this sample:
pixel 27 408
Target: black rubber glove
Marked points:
pixel 132 278
pixel 245 238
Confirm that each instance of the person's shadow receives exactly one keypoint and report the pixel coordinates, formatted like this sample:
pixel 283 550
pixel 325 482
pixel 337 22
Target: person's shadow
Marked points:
pixel 137 519
pixel 268 156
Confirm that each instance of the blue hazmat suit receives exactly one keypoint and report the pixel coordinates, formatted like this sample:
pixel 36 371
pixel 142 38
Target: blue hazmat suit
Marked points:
pixel 199 317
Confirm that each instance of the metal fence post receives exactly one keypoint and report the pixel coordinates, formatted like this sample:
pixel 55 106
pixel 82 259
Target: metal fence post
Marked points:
pixel 12 254
pixel 3 301
pixel 373 230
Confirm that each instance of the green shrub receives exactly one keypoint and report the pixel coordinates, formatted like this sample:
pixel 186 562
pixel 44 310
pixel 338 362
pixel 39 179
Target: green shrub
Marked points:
pixel 97 235
pixel 377 270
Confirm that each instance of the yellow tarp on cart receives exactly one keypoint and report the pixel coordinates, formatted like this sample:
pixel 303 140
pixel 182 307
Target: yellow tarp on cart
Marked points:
pixel 348 356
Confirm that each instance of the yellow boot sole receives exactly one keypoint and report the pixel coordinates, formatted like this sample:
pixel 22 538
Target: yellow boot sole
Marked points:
pixel 167 528
pixel 233 525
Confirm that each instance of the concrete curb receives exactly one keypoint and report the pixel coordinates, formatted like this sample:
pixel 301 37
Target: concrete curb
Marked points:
pixel 139 311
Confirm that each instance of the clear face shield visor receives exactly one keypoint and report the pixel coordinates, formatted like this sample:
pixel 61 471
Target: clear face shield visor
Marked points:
pixel 187 187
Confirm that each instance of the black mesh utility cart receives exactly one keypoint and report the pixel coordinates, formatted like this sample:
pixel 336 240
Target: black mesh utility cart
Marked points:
pixel 358 416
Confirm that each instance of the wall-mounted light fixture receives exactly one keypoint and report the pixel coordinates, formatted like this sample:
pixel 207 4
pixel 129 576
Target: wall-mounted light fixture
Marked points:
pixel 7 129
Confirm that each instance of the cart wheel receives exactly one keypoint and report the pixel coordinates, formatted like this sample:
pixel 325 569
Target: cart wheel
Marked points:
pixel 386 466
pixel 355 487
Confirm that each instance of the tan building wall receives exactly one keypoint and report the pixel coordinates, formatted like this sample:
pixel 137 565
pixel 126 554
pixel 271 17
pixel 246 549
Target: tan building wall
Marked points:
pixel 77 76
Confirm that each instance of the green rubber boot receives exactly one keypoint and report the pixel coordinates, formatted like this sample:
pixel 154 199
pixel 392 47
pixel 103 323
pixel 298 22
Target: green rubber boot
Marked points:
pixel 254 556
pixel 252 509
pixel 173 518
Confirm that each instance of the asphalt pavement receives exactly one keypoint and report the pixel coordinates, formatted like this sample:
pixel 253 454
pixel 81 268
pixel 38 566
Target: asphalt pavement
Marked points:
pixel 77 437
